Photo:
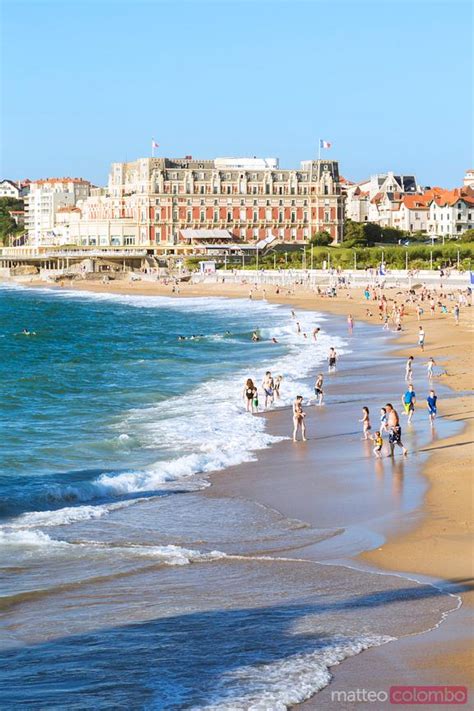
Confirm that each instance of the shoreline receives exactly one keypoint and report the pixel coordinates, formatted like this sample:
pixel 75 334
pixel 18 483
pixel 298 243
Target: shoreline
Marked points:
pixel 437 543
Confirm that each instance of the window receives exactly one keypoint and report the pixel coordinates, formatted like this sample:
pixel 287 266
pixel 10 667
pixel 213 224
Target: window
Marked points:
pixel 267 189
pixel 202 216
pixel 229 216
pixel 201 189
pixel 293 216
pixel 255 216
pixel 326 190
pixel 280 216
pixel 326 216
pixel 189 216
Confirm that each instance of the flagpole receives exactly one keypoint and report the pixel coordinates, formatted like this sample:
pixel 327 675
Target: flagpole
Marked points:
pixel 319 149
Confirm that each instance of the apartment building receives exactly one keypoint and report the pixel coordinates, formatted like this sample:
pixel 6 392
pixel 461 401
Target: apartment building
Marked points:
pixel 44 200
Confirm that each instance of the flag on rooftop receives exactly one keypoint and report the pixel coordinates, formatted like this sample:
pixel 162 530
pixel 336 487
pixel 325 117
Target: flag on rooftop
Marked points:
pixel 324 144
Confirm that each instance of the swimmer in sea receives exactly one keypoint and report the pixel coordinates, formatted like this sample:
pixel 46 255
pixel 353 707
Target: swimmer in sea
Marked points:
pixel 298 419
pixel 255 336
pixel 316 333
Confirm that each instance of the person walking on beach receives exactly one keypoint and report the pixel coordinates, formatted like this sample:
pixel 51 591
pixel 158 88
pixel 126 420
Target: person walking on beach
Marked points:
pixel 431 401
pixel 394 430
pixel 268 386
pixel 409 369
pixel 249 395
pixel 421 338
pixel 366 422
pixel 429 368
pixel 298 419
pixel 383 420
pixel 408 400
pixel 318 389
pixel 332 359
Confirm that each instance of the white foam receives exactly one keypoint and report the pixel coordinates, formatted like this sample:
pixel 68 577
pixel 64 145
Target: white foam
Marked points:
pixel 280 685
pixel 205 429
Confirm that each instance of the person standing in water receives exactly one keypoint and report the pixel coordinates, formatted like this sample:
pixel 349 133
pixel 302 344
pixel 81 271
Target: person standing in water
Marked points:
pixel 431 401
pixel 298 419
pixel 316 333
pixel 378 444
pixel 350 323
pixel 278 380
pixel 421 338
pixel 249 395
pixel 332 359
pixel 366 422
pixel 268 386
pixel 429 368
pixel 318 389
pixel 409 369
pixel 394 429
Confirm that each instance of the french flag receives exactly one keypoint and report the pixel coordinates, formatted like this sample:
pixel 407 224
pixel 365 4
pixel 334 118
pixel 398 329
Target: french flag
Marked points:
pixel 324 144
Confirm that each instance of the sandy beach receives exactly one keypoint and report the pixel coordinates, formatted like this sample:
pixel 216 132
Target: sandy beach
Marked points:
pixel 436 540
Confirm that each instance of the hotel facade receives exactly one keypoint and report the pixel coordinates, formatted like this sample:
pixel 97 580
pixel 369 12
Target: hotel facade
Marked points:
pixel 158 202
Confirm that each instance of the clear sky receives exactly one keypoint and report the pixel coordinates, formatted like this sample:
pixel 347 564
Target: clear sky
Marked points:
pixel 85 83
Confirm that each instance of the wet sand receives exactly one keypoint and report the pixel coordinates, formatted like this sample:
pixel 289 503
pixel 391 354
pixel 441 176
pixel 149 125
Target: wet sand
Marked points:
pixel 421 526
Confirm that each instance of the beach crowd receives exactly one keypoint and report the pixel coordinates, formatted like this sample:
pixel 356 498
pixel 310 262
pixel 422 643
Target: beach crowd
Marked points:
pixel 387 437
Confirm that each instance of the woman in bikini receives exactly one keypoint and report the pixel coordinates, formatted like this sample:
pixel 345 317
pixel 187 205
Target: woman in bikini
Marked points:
pixel 298 419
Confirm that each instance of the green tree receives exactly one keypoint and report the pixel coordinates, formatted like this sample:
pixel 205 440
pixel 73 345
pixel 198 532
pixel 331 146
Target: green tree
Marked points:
pixel 8 225
pixel 468 236
pixel 321 239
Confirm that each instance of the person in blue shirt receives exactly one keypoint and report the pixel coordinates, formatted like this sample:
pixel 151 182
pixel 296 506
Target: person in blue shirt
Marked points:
pixel 408 401
pixel 431 401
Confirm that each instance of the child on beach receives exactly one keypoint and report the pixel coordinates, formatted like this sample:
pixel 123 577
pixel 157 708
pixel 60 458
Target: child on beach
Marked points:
pixel 366 422
pixel 378 444
pixel 298 419
pixel 383 420
pixel 431 401
pixel 429 368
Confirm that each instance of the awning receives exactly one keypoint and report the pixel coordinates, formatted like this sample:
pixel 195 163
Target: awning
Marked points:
pixel 206 234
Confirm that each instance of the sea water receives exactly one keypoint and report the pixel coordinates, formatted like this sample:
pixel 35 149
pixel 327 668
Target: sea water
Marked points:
pixel 122 585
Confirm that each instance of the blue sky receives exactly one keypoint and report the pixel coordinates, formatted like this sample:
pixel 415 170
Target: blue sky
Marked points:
pixel 87 83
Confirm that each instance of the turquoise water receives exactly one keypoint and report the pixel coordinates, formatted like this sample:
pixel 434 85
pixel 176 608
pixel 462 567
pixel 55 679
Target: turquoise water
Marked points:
pixel 98 388
pixel 124 586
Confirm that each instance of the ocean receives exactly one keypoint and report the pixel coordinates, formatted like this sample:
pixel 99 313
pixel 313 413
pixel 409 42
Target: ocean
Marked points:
pixel 122 585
